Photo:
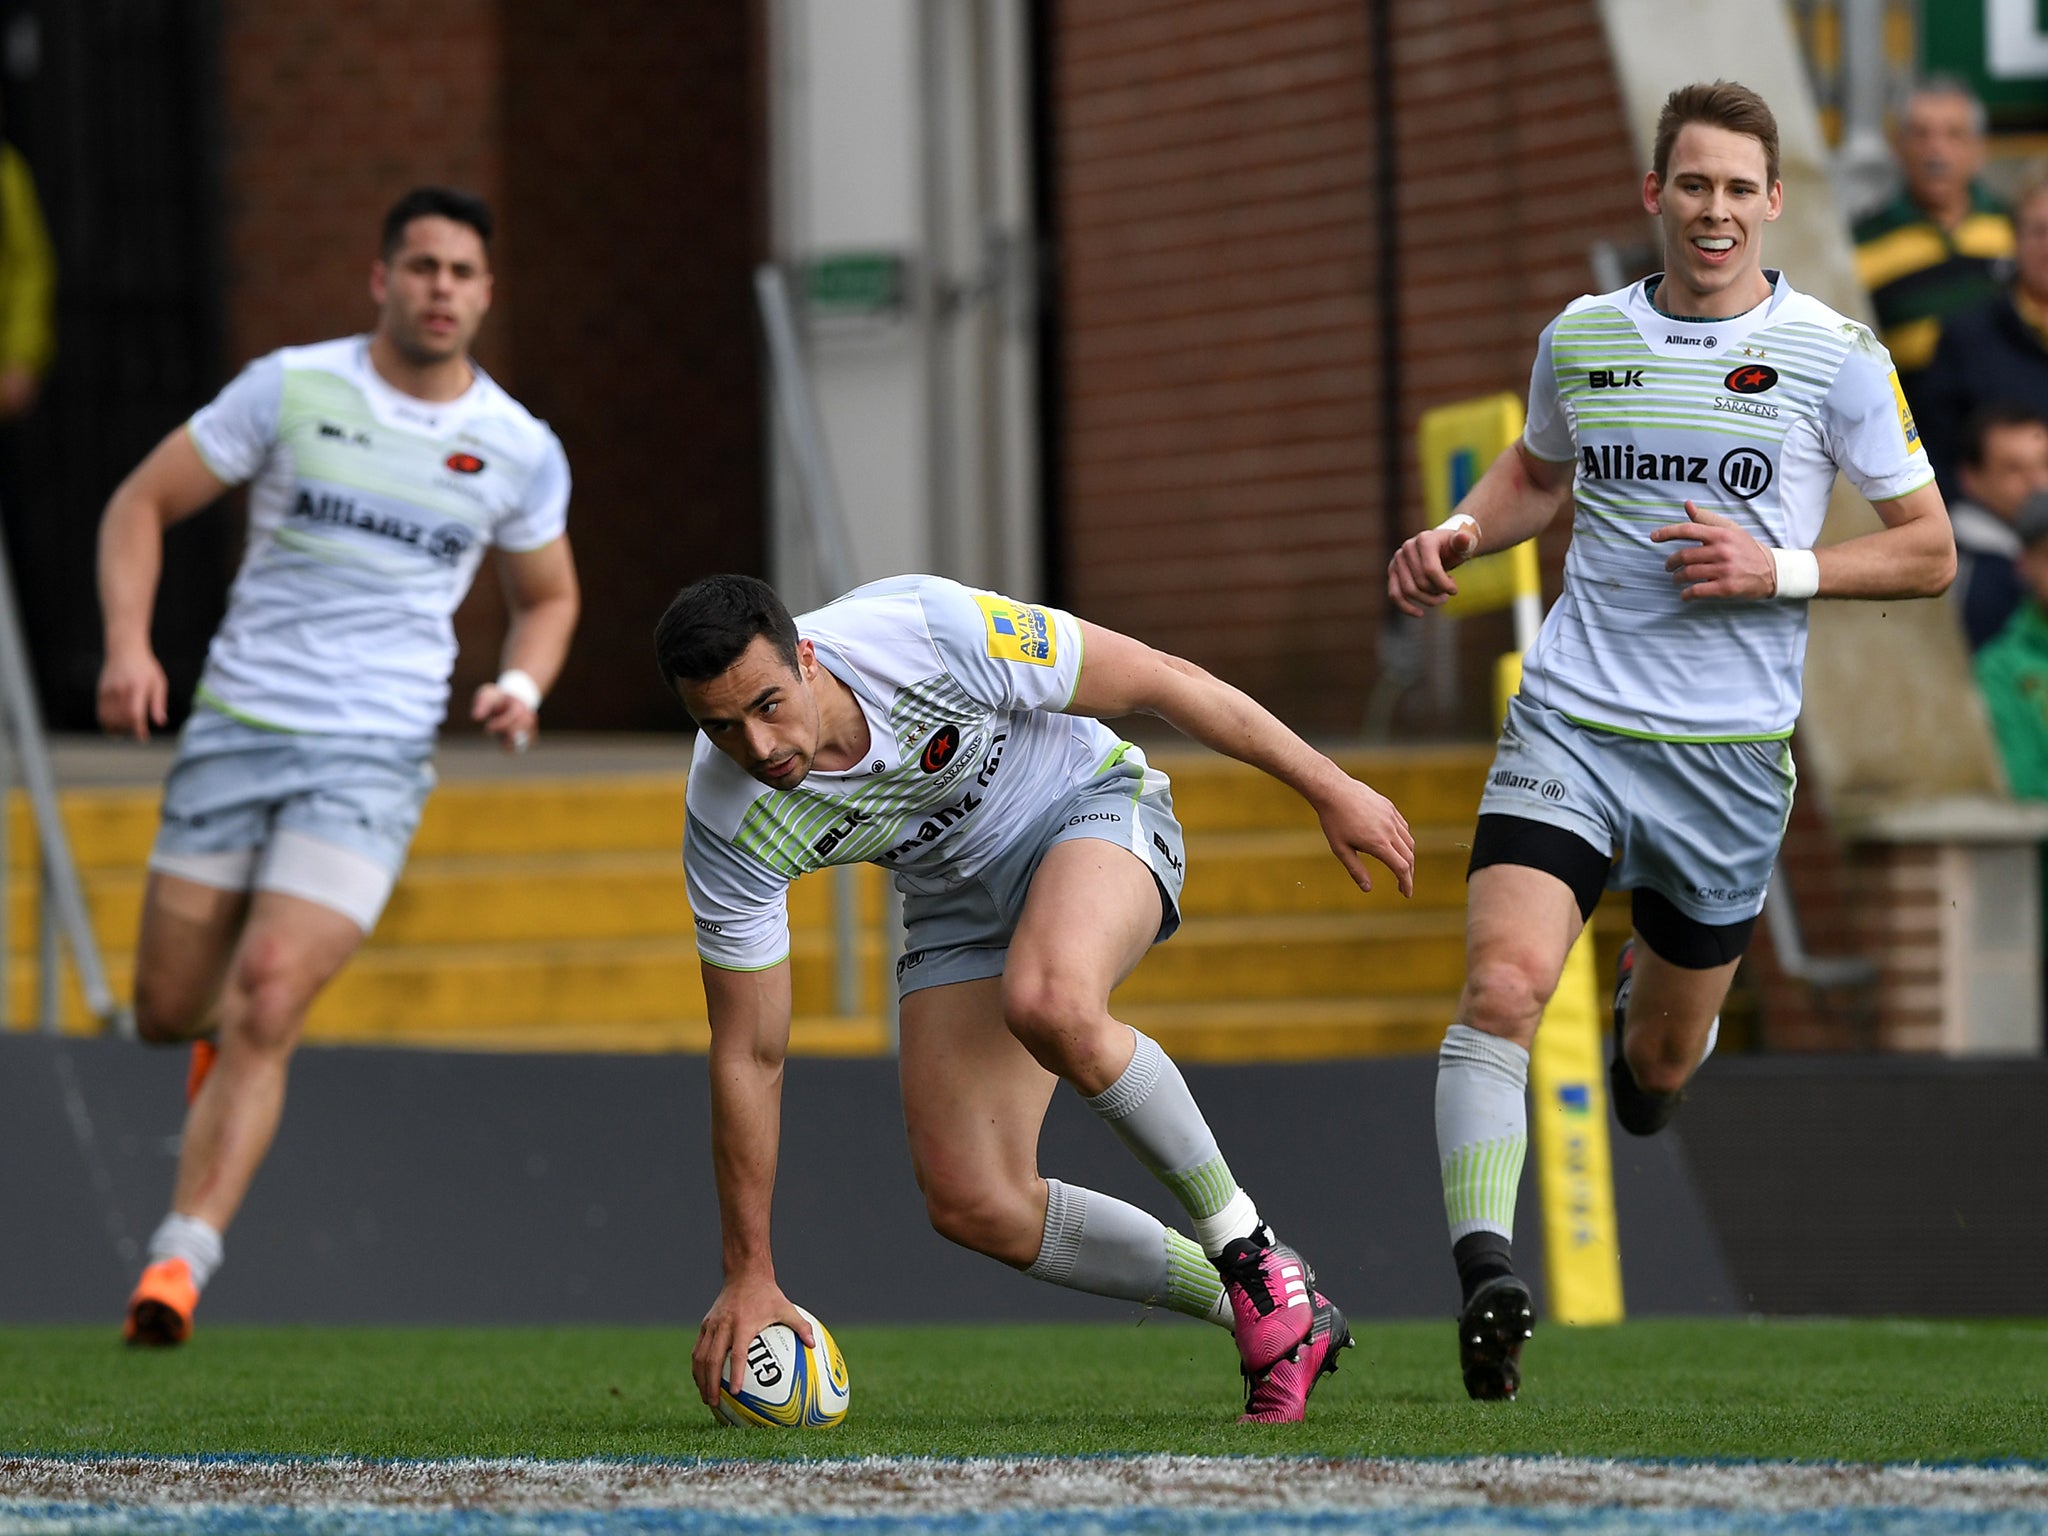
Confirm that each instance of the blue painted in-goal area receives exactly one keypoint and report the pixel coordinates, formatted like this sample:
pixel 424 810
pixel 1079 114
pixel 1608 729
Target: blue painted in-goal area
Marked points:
pixel 20 1519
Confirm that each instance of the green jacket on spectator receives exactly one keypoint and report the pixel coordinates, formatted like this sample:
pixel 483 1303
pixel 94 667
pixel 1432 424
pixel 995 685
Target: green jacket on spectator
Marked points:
pixel 2012 675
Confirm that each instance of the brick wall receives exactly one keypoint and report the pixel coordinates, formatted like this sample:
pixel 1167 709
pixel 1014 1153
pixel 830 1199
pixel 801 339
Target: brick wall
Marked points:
pixel 620 148
pixel 331 113
pixel 1215 164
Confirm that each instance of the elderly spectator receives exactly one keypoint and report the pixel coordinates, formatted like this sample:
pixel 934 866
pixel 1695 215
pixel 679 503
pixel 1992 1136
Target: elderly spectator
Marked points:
pixel 1934 249
pixel 2003 467
pixel 1997 351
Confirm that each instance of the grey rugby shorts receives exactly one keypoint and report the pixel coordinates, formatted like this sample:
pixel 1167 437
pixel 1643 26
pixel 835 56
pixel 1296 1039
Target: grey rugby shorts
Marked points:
pixel 1697 822
pixel 964 934
pixel 325 818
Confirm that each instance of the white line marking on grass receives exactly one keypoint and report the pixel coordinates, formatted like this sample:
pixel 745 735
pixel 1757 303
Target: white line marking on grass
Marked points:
pixel 919 1487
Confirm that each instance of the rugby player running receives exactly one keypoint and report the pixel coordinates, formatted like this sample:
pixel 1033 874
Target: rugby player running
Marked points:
pixel 380 467
pixel 1695 422
pixel 953 737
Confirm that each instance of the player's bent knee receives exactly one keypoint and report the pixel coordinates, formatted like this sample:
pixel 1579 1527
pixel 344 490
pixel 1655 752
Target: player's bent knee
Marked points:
pixel 1047 1012
pixel 1658 1072
pixel 164 1015
pixel 268 995
pixel 1505 997
pixel 985 1219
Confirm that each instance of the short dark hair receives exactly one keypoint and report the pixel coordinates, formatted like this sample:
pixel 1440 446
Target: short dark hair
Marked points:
pixel 1989 418
pixel 1717 104
pixel 711 622
pixel 435 203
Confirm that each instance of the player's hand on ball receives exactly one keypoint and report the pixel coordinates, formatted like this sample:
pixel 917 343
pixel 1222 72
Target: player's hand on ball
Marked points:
pixel 1358 819
pixel 1419 575
pixel 743 1309
pixel 1718 557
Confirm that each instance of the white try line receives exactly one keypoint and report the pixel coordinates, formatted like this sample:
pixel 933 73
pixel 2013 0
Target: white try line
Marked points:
pixel 921 1488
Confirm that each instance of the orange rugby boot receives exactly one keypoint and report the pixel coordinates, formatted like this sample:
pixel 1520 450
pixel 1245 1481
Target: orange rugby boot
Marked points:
pixel 204 1054
pixel 160 1311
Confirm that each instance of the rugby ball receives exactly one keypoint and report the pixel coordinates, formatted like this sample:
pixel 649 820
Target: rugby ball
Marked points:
pixel 783 1384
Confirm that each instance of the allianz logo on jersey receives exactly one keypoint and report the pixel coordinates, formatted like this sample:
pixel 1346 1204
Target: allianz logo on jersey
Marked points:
pixel 943 819
pixel 1743 472
pixel 1625 461
pixel 447 543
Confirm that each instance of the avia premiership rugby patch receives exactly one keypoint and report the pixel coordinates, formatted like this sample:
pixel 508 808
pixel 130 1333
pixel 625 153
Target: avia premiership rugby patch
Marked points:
pixel 1906 422
pixel 1017 631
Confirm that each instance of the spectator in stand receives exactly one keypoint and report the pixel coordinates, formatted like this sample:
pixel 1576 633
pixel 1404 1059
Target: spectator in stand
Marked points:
pixel 1934 248
pixel 2003 468
pixel 2012 675
pixel 28 289
pixel 2012 671
pixel 1995 352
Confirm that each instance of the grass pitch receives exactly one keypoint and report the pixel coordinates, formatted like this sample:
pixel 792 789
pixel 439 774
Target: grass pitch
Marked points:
pixel 1858 1391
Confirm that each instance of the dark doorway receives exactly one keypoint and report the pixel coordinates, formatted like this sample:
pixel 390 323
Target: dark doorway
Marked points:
pixel 633 217
pixel 112 104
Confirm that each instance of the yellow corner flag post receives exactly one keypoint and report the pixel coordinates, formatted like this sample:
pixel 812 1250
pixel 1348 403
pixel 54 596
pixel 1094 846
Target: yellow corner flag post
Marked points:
pixel 1567 1078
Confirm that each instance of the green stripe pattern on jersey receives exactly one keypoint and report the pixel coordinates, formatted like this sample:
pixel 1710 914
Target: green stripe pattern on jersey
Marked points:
pixel 785 830
pixel 1653 429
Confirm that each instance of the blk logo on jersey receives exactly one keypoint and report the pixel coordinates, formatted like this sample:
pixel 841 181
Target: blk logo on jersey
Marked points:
pixel 464 463
pixel 1751 379
pixel 940 749
pixel 839 832
pixel 1623 461
pixel 1615 378
pixel 1745 473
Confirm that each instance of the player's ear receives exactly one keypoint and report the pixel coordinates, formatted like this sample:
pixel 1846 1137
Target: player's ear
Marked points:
pixel 1653 193
pixel 380 281
pixel 1776 204
pixel 806 660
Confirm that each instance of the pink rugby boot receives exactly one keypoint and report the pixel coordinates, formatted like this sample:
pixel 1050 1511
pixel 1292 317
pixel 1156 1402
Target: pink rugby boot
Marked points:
pixel 1280 1394
pixel 1269 1286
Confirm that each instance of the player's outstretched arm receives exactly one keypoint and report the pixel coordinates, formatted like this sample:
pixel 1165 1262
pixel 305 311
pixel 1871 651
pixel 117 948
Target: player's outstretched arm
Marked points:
pixel 544 598
pixel 1122 676
pixel 749 1013
pixel 1517 498
pixel 1913 555
pixel 169 485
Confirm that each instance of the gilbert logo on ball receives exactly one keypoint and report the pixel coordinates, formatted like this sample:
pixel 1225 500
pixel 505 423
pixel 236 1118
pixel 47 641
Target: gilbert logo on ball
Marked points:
pixel 785 1385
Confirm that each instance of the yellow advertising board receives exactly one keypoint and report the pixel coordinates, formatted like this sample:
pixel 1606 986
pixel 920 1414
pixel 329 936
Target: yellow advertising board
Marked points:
pixel 1457 442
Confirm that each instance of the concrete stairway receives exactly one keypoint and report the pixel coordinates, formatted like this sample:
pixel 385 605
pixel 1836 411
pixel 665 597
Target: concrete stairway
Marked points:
pixel 549 913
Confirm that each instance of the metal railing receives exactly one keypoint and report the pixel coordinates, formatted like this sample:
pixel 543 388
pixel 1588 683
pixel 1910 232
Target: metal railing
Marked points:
pixel 61 909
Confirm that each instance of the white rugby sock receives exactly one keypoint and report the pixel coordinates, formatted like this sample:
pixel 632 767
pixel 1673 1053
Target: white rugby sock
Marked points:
pixel 1097 1243
pixel 190 1239
pixel 1482 1129
pixel 1153 1113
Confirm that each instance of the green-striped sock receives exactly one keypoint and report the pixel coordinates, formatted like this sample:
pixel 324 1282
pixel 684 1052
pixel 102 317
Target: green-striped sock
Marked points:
pixel 1192 1284
pixel 1482 1129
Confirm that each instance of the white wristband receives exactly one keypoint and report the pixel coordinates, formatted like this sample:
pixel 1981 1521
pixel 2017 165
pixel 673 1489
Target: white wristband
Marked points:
pixel 521 686
pixel 1798 574
pixel 1459 520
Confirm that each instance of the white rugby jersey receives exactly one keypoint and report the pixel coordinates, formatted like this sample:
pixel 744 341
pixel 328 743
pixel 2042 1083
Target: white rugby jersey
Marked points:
pixel 1750 417
pixel 962 692
pixel 368 515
